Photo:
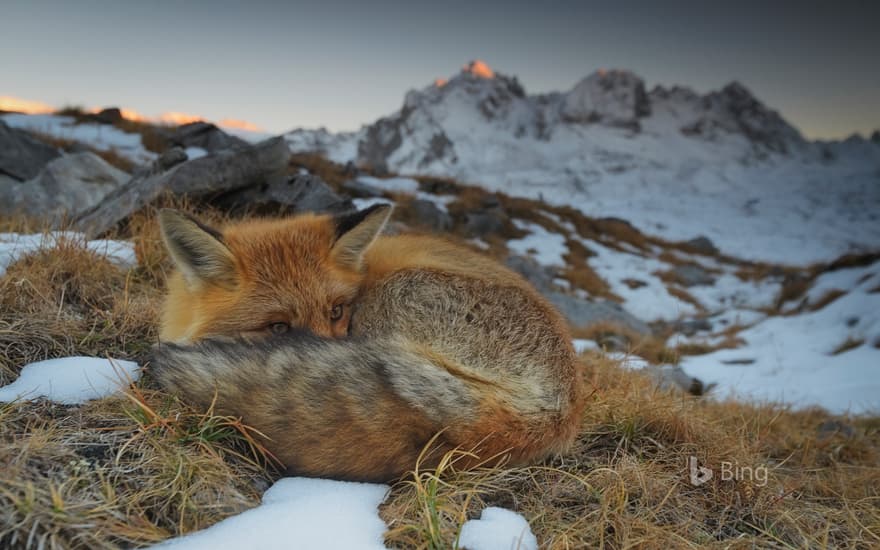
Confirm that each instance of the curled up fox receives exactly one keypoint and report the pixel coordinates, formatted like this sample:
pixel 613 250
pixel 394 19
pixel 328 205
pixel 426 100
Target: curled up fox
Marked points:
pixel 350 350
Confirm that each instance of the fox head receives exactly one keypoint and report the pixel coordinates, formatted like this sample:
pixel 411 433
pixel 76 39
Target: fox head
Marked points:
pixel 263 277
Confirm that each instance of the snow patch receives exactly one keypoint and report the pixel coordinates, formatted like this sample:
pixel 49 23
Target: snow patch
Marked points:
pixel 497 529
pixel 301 513
pixel 15 245
pixel 545 247
pixel 71 380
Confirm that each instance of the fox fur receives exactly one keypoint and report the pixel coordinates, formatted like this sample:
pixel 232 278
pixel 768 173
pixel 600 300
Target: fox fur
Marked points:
pixel 350 351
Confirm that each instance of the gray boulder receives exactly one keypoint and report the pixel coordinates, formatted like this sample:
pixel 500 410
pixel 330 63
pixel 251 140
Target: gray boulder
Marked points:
pixel 22 156
pixel 580 312
pixel 692 275
pixel 429 215
pixel 202 179
pixel 583 313
pixel 206 136
pixel 703 245
pixel 282 194
pixel 66 186
pixel 489 218
pixel 673 378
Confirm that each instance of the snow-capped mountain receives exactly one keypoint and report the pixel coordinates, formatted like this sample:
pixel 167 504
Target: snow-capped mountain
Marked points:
pixel 671 161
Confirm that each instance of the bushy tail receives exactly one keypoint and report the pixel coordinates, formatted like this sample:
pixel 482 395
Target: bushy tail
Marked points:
pixel 352 408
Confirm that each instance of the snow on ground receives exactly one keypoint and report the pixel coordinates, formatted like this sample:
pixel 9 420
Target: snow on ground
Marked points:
pixel 362 204
pixel 497 529
pixel 300 513
pixel 71 380
pixel 193 153
pixel 102 137
pixel 392 185
pixel 652 300
pixel 15 245
pixel 545 247
pixel 406 186
pixel 801 358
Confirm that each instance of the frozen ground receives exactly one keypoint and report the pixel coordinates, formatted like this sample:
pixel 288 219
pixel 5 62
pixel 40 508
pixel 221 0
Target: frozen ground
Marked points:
pixel 829 356
pixel 102 137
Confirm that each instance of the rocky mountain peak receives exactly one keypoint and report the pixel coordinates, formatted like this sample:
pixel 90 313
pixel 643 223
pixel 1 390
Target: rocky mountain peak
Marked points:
pixel 611 97
pixel 479 69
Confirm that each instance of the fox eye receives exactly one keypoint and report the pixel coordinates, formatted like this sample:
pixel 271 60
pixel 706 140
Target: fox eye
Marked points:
pixel 336 312
pixel 279 328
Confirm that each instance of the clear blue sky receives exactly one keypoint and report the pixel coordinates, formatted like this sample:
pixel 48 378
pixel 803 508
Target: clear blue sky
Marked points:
pixel 341 64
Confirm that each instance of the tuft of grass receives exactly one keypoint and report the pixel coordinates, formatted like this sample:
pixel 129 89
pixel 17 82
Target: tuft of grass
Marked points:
pixel 849 344
pixel 827 298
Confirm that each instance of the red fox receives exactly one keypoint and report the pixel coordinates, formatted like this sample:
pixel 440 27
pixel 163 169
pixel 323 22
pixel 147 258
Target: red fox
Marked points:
pixel 350 351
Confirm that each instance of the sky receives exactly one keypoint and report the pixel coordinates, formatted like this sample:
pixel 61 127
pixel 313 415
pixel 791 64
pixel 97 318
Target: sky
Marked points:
pixel 341 64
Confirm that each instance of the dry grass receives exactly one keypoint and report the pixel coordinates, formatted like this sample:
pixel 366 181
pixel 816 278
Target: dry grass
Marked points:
pixel 625 484
pixel 827 298
pixel 849 344
pixel 133 470
pixel 647 346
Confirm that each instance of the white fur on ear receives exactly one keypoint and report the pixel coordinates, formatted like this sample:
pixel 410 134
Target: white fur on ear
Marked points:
pixel 356 232
pixel 197 250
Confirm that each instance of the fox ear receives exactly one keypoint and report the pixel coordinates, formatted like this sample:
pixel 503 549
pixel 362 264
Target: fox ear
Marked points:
pixel 197 250
pixel 355 233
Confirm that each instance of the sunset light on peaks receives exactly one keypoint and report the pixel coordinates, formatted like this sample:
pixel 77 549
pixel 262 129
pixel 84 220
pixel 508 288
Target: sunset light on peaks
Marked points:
pixel 479 68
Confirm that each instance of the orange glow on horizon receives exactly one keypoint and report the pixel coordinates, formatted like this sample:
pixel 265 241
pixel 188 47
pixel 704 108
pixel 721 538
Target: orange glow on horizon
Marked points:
pixel 16 104
pixel 440 82
pixel 29 107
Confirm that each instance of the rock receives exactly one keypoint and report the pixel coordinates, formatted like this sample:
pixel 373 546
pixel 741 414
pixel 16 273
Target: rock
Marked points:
pixel 672 377
pixel 689 327
pixel 702 245
pixel 359 189
pixel 66 186
pixel 583 313
pixel 171 158
pixel 203 178
pixel 489 218
pixel 205 136
pixel 282 194
pixel 110 115
pixel 579 311
pixel 428 215
pixel 22 156
pixel 612 98
pixel 540 276
pixel 692 275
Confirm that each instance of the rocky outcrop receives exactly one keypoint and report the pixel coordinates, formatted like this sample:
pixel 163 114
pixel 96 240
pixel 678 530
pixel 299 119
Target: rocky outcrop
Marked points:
pixel 612 98
pixel 282 194
pixel 203 178
pixel 734 110
pixel 204 135
pixel 580 312
pixel 22 156
pixel 66 186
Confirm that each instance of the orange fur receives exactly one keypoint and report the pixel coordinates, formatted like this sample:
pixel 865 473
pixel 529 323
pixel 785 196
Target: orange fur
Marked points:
pixel 433 337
